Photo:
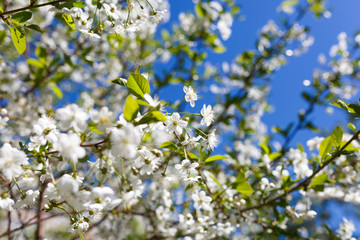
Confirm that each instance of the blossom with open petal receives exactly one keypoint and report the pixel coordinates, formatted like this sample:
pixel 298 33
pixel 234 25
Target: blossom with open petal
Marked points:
pixel 190 95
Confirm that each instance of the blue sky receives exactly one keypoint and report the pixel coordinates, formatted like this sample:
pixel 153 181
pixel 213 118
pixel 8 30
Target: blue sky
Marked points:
pixel 287 84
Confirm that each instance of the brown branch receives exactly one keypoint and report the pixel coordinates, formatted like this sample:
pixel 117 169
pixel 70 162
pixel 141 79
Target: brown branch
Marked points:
pixel 81 145
pixel 29 223
pixel 2 15
pixel 39 233
pixel 306 181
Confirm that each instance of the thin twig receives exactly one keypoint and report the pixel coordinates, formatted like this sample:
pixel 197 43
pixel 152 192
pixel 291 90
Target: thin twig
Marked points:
pixel 2 15
pixel 81 145
pixel 307 180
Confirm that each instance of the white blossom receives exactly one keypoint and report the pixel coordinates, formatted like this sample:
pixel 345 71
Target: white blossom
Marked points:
pixel 72 116
pixel 175 124
pixel 6 203
pixel 125 141
pixel 201 201
pixel 11 161
pixel 190 95
pixel 212 140
pixel 69 147
pixel 346 230
pixel 207 115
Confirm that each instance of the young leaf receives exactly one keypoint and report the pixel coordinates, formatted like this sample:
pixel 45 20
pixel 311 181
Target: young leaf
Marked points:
pixel 192 156
pixel 34 27
pixel 169 145
pixel 131 109
pixel 137 71
pixel 34 62
pixel 215 180
pixel 244 188
pixel 56 90
pixel 79 4
pixel 119 81
pixel 18 40
pixel 151 117
pixel 138 85
pixel 21 16
pixel 325 147
pixel 215 158
pixel 69 20
pixel 336 136
pixel 352 127
pixel 320 179
pixel 340 103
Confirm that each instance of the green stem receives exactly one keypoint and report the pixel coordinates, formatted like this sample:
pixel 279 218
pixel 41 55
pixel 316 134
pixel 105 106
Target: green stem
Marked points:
pixel 150 5
pixel 21 192
pixel 177 105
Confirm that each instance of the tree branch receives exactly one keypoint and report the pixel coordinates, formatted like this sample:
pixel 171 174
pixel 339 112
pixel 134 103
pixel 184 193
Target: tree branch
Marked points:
pixel 81 145
pixel 306 181
pixel 2 15
pixel 29 223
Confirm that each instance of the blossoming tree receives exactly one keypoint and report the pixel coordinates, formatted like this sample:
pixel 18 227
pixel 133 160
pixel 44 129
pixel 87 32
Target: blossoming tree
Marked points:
pixel 90 151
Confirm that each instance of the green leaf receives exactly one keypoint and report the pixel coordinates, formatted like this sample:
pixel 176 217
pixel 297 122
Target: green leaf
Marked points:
pixel 93 128
pixel 265 148
pixel 240 177
pixel 215 180
pixel 21 16
pixel 349 148
pixel 34 27
pixel 320 179
pixel 336 136
pixel 18 40
pixel 34 62
pixel 56 90
pixel 137 71
pixel 141 102
pixel 152 117
pixel 192 156
pixel 244 188
pixel 273 156
pixel 169 145
pixel 69 20
pixel 138 85
pixel 119 81
pixel 131 109
pixel 353 108
pixel 352 127
pixel 325 147
pixel 215 158
pixel 80 4
pixel 199 10
pixel 1 10
pixel 219 49
pixel 340 104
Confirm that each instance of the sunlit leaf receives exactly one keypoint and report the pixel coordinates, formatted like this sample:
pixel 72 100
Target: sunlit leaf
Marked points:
pixel 131 109
pixel 18 40
pixel 336 136
pixel 215 158
pixel 56 90
pixel 152 117
pixel 320 179
pixel 244 188
pixel 138 85
pixel 119 81
pixel 340 103
pixel 69 20
pixel 325 147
